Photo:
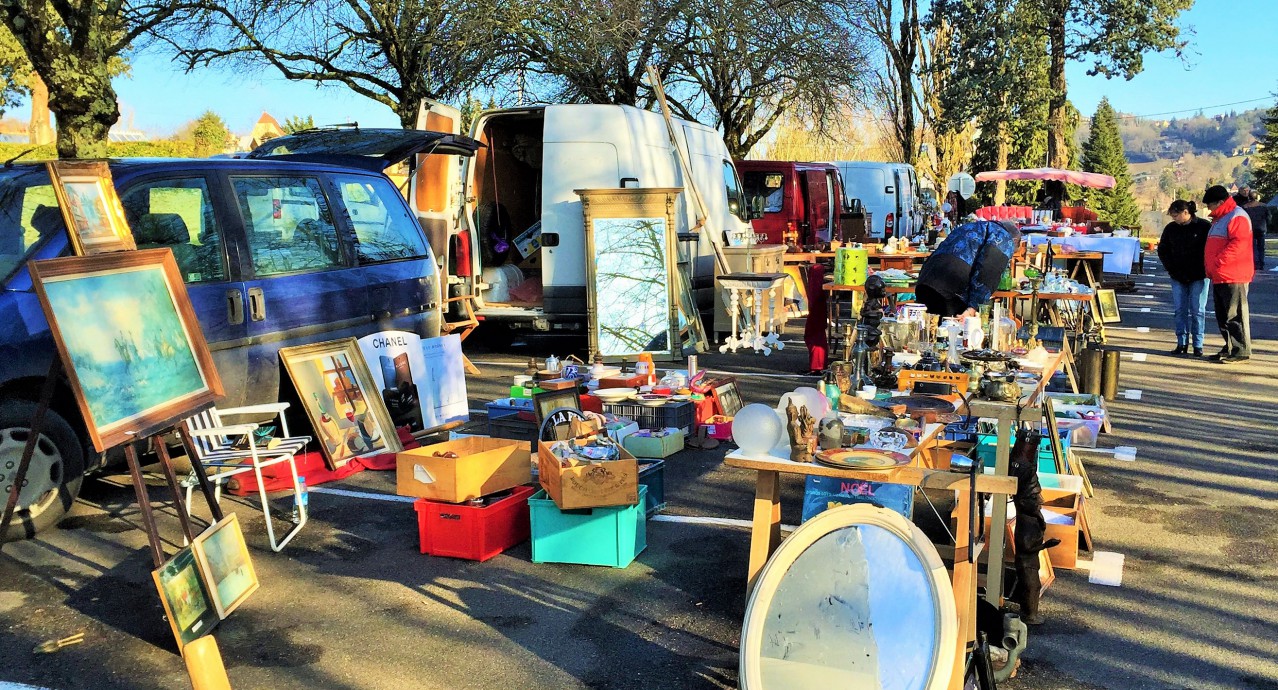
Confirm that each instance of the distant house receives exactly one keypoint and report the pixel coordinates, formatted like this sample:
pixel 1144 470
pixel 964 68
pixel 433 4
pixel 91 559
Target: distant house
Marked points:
pixel 267 128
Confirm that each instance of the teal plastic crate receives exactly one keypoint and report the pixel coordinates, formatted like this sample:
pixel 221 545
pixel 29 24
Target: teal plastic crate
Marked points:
pixel 652 475
pixel 593 536
pixel 986 450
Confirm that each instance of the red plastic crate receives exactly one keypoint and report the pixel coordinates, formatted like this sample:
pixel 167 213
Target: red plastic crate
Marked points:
pixel 472 532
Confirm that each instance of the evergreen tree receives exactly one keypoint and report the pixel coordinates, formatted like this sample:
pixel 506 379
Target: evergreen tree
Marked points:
pixel 210 134
pixel 1103 153
pixel 1265 163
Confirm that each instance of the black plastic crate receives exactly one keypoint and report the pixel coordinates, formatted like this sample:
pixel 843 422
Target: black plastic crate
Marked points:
pixel 677 415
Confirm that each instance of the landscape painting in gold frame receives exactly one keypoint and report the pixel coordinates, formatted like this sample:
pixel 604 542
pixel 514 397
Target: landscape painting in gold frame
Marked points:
pixel 90 207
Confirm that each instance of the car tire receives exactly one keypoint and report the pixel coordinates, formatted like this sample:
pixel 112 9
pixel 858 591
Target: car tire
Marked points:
pixel 54 476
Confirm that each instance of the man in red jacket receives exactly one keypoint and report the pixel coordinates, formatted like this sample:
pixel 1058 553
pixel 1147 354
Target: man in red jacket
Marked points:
pixel 1230 267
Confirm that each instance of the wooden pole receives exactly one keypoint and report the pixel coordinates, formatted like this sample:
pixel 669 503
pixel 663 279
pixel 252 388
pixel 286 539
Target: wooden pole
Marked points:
pixel 33 437
pixel 144 502
pixel 162 452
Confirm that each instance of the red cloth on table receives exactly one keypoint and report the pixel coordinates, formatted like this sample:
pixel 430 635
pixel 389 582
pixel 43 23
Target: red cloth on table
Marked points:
pixel 311 465
pixel 814 328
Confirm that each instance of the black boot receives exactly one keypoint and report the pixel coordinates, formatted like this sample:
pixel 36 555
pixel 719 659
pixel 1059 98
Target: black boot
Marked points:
pixel 1198 352
pixel 1180 350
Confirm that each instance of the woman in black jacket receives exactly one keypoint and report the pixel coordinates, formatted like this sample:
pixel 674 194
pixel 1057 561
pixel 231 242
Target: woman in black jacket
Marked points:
pixel 1181 250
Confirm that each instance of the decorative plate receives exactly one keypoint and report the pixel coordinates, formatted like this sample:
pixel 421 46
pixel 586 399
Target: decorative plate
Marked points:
pixel 652 400
pixel 862 459
pixel 613 395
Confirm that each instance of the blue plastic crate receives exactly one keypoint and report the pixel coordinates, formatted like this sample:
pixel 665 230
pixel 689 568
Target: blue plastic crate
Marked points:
pixel 593 536
pixel 652 474
pixel 507 406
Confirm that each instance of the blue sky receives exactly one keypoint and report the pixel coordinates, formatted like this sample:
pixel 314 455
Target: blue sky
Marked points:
pixel 1233 57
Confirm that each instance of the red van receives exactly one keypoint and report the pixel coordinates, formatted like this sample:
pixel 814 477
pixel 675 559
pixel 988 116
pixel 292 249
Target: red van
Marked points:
pixel 802 202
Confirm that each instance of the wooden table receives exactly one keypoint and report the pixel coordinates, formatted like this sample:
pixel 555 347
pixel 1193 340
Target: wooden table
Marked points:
pixel 885 260
pixel 1049 303
pixel 842 293
pixel 765 533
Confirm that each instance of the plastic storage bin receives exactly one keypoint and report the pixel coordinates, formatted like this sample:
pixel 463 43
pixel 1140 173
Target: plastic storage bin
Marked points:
pixel 678 415
pixel 475 533
pixel 592 536
pixel 642 446
pixel 986 451
pixel 652 474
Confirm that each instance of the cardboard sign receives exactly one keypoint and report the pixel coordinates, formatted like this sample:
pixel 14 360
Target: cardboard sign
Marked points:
pixel 422 382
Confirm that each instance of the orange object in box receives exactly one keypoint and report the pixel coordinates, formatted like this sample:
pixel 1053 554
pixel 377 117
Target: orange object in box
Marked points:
pixel 475 533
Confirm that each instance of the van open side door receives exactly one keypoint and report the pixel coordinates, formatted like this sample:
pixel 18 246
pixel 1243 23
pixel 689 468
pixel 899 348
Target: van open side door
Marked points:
pixel 434 192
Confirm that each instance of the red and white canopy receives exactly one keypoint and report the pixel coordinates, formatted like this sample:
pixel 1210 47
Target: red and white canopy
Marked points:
pixel 1085 179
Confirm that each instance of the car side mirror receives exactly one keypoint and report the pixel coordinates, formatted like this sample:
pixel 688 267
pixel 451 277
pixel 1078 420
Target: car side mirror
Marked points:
pixel 756 207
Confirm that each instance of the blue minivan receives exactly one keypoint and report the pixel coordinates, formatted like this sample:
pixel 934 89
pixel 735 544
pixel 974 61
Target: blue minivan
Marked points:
pixel 304 240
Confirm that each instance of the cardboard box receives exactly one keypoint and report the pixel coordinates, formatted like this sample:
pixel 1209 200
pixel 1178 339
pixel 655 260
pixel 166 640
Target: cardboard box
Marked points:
pixel 653 446
pixel 483 466
pixel 593 485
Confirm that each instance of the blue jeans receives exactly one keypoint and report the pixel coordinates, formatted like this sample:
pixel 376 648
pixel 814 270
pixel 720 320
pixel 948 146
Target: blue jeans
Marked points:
pixel 1190 302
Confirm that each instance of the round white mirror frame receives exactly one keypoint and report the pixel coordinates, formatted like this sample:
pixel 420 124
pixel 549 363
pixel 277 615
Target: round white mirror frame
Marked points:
pixel 946 640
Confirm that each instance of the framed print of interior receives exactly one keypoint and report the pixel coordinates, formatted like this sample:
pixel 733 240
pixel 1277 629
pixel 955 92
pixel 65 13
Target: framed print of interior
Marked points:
pixel 341 399
pixel 129 341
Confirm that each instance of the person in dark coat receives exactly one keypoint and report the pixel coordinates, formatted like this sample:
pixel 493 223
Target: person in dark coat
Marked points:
pixel 963 272
pixel 1258 212
pixel 1181 250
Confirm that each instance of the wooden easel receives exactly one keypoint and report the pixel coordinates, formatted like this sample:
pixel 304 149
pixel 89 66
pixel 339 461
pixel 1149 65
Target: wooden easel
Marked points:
pixel 135 472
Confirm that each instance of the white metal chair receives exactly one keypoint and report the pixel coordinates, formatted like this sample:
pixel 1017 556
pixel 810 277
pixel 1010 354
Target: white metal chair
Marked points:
pixel 214 444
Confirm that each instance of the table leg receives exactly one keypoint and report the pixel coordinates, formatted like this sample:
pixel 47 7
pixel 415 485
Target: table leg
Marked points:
pixel 765 532
pixel 965 577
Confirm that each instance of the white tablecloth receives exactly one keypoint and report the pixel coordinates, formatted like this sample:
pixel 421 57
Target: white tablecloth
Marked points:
pixel 1122 250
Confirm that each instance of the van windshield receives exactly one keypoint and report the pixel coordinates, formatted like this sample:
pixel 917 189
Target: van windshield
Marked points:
pixel 28 213
pixel 766 184
pixel 736 204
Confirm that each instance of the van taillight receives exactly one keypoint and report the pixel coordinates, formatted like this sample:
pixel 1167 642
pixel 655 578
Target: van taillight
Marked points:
pixel 890 223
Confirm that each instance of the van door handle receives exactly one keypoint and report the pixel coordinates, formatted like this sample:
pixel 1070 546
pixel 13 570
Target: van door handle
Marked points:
pixel 234 307
pixel 257 304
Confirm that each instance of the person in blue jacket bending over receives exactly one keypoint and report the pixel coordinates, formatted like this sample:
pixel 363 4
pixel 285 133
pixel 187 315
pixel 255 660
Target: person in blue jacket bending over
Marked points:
pixel 962 274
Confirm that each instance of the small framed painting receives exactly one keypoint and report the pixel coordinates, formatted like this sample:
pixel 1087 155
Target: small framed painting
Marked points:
pixel 1107 304
pixel 187 602
pixel 547 402
pixel 727 397
pixel 90 206
pixel 225 564
pixel 129 341
pixel 341 399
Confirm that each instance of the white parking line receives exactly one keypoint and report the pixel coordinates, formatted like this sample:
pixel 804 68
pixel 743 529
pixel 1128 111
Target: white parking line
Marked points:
pixel 361 494
pixel 1142 329
pixel 1145 310
pixel 1139 356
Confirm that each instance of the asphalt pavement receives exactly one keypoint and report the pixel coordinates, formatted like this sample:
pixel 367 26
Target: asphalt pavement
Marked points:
pixel 350 603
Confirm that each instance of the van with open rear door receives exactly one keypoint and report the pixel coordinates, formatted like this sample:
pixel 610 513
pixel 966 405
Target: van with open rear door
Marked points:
pixel 887 192
pixel 801 202
pixel 520 243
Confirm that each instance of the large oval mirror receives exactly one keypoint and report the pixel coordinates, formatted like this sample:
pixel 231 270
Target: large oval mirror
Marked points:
pixel 855 598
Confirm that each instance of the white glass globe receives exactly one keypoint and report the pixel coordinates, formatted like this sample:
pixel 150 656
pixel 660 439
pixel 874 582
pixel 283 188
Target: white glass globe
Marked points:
pixel 756 429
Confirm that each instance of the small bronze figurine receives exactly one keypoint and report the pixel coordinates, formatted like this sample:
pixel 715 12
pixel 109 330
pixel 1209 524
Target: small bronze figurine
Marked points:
pixel 801 426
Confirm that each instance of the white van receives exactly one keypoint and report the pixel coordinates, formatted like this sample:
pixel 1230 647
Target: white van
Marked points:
pixel 887 191
pixel 520 238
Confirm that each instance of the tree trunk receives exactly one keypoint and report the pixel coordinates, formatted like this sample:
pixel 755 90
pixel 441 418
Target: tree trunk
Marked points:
pixel 1000 186
pixel 1057 147
pixel 40 130
pixel 85 107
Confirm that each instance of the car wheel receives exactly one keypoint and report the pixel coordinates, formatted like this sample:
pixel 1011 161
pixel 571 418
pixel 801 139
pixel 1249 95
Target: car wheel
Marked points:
pixel 54 476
